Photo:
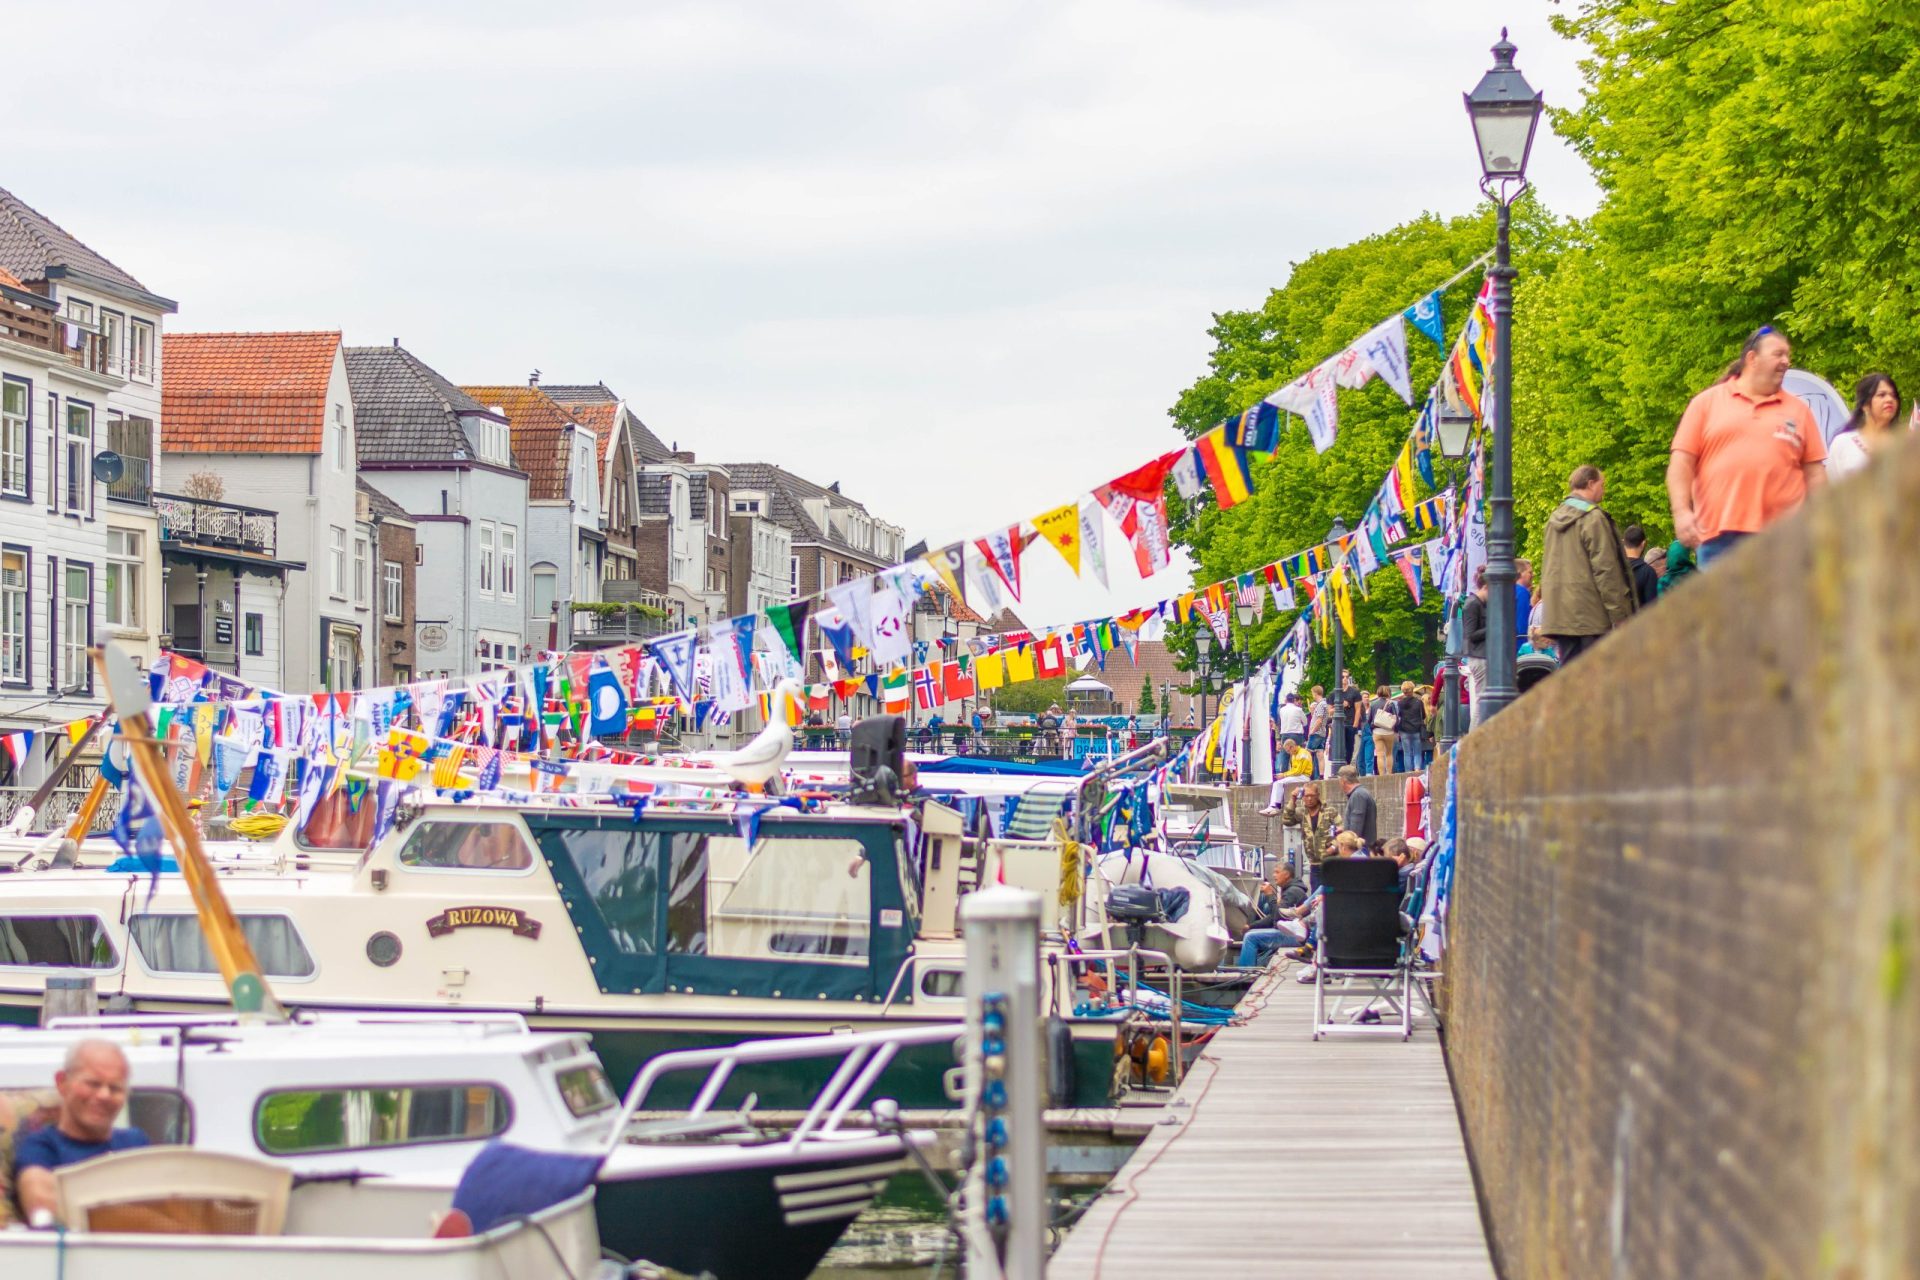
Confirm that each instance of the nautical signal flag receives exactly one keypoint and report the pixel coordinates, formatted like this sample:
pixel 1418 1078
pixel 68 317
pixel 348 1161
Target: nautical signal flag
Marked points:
pixel 956 681
pixel 1256 430
pixel 1061 528
pixel 927 693
pixel 1226 468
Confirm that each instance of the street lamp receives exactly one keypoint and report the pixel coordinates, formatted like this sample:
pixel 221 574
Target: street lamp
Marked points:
pixel 1337 747
pixel 1453 429
pixel 1505 111
pixel 1203 651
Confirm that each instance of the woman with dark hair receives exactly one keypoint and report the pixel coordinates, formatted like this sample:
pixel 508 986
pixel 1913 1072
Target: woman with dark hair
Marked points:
pixel 1876 403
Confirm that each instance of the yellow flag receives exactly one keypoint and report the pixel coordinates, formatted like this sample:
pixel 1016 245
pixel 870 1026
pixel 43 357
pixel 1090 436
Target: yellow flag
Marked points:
pixel 446 770
pixel 76 730
pixel 1061 527
pixel 989 671
pixel 1342 599
pixel 1020 664
pixel 947 563
pixel 203 718
pixel 1403 470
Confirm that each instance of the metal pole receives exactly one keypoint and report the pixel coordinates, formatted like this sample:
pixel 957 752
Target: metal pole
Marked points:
pixel 1006 1187
pixel 1502 637
pixel 1337 749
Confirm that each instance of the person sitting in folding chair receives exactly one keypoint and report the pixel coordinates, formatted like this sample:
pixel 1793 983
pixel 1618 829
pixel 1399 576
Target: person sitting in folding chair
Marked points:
pixel 1362 949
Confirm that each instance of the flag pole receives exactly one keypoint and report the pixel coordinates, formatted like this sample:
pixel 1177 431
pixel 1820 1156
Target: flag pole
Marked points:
pixel 127 688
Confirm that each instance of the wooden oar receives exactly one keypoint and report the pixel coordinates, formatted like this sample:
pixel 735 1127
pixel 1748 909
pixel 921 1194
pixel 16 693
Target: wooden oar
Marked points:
pixel 246 985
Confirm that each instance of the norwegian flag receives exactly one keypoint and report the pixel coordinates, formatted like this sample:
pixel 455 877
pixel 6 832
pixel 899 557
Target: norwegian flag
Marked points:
pixel 926 688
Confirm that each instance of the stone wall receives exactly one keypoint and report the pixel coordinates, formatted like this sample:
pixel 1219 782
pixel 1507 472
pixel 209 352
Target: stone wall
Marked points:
pixel 1254 827
pixel 1685 1021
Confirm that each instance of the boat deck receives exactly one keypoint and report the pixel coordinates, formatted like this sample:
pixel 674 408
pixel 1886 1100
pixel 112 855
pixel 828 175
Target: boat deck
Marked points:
pixel 1282 1155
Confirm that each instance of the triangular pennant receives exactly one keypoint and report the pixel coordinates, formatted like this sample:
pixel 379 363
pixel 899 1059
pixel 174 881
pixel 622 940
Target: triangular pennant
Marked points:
pixel 1093 550
pixel 854 600
pixel 950 563
pixel 790 625
pixel 674 653
pixel 1061 528
pixel 1001 551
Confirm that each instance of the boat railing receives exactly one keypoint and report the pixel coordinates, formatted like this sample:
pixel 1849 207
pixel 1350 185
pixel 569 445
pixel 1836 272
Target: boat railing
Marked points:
pixel 863 1056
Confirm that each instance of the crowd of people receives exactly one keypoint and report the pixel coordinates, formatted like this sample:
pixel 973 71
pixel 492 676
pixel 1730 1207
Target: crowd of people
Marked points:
pixel 1387 731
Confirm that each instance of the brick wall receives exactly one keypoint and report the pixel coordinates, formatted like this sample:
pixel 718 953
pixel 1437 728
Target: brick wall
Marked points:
pixel 1685 1016
pixel 396 638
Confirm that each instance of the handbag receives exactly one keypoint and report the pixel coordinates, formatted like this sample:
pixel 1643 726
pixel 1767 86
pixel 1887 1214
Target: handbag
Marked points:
pixel 1385 718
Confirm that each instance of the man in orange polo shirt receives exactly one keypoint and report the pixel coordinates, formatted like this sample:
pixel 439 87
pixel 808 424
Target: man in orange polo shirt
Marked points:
pixel 1745 454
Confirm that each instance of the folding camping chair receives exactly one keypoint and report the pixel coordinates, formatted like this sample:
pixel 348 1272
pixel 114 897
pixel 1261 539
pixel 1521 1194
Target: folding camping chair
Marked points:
pixel 1362 948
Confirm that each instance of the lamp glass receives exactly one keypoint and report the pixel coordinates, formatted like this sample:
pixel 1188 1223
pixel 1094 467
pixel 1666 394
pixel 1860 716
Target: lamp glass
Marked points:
pixel 1454 430
pixel 1203 643
pixel 1504 110
pixel 1245 611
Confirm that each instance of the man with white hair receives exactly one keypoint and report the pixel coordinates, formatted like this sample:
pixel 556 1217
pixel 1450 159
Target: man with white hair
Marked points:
pixel 93 1091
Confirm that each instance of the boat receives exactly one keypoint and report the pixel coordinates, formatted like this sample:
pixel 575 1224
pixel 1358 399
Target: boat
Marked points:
pixel 417 1098
pixel 212 1217
pixel 680 925
pixel 1195 935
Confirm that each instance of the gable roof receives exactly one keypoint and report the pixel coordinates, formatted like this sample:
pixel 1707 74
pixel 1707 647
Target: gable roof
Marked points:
pixel 787 496
pixel 576 393
pixel 586 402
pixel 246 392
pixel 404 411
pixel 540 426
pixel 33 245
pixel 381 505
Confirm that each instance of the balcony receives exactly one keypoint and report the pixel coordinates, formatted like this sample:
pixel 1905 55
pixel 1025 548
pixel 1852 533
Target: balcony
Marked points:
pixel 30 325
pixel 597 626
pixel 206 525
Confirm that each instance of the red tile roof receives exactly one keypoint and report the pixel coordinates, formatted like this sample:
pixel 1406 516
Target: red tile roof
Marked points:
pixel 8 278
pixel 540 426
pixel 246 392
pixel 599 418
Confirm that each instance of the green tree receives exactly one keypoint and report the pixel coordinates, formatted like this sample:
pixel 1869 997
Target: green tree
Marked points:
pixel 1030 697
pixel 1330 299
pixel 1146 705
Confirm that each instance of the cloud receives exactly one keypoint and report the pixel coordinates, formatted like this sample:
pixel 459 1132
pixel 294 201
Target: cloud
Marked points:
pixel 960 257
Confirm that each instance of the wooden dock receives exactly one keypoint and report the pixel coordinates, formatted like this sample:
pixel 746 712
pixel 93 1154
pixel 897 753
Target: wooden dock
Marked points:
pixel 1285 1156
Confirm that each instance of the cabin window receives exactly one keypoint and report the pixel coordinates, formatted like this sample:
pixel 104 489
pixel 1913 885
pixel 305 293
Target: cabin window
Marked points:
pixel 790 896
pixel 342 819
pixel 176 944
pixel 585 1090
pixel 942 984
pixel 467 846
pixel 621 872
pixel 55 942
pixel 300 1121
pixel 164 1115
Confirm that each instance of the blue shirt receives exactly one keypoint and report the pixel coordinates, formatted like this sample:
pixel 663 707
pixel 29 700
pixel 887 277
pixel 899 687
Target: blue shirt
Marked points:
pixel 49 1148
pixel 1522 609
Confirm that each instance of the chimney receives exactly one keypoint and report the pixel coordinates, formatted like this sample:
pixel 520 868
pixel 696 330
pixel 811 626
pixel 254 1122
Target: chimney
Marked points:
pixel 396 344
pixel 533 379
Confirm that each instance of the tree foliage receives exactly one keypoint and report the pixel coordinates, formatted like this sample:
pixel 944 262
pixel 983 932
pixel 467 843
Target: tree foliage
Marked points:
pixel 1759 162
pixel 1029 697
pixel 1146 705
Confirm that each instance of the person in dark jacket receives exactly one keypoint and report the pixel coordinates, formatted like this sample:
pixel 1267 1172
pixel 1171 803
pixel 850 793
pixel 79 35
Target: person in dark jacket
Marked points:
pixel 1474 623
pixel 1362 815
pixel 1646 579
pixel 1680 566
pixel 1410 733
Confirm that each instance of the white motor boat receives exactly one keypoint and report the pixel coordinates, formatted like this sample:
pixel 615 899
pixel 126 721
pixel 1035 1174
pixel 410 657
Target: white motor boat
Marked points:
pixel 416 1098
pixel 1197 940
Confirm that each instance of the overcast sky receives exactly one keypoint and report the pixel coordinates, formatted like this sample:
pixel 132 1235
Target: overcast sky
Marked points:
pixel 959 257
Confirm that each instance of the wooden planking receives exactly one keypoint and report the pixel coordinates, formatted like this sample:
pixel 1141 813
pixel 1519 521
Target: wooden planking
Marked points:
pixel 1284 1155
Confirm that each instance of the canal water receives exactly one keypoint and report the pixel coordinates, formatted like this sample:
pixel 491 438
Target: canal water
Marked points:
pixel 904 1234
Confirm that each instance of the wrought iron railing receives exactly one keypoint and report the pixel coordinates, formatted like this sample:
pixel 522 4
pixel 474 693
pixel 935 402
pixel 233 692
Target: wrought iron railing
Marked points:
pixel 219 524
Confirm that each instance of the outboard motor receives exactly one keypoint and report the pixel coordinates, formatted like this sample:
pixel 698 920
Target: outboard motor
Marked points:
pixel 1136 906
pixel 876 757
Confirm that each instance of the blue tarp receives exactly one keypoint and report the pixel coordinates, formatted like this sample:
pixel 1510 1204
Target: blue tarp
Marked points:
pixel 1012 768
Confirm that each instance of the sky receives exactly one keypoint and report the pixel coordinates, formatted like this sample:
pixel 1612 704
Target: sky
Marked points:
pixel 959 257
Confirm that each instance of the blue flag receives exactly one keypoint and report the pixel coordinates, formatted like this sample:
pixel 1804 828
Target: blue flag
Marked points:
pixel 1425 316
pixel 607 703
pixel 136 828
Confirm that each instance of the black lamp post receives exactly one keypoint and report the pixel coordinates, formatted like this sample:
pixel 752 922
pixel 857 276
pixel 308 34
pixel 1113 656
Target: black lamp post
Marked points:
pixel 1203 664
pixel 1454 429
pixel 1337 747
pixel 1504 110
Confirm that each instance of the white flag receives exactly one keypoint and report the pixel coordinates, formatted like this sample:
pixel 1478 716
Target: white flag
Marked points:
pixel 1093 546
pixel 892 641
pixel 1385 349
pixel 855 602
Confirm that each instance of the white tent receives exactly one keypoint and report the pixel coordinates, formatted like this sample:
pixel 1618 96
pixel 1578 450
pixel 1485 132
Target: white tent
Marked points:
pixel 1829 407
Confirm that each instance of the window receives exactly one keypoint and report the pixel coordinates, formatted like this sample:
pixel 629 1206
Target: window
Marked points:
pixel 546 581
pixel 486 557
pixel 341 819
pixel 76 627
pixel 361 566
pixel 55 942
pixel 585 1089
pixel 176 944
pixel 339 437
pixel 79 312
pixel 79 455
pixel 140 350
pixel 255 629
pixel 16 399
pixel 793 576
pixel 419 554
pixel 292 1122
pixel 509 561
pixel 467 846
pixel 13 618
pixel 337 562
pixel 390 589
pixel 110 325
pixel 123 579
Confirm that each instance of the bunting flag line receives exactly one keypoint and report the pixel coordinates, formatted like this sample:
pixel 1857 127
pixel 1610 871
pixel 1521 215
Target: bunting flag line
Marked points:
pixel 1061 528
pixel 1226 468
